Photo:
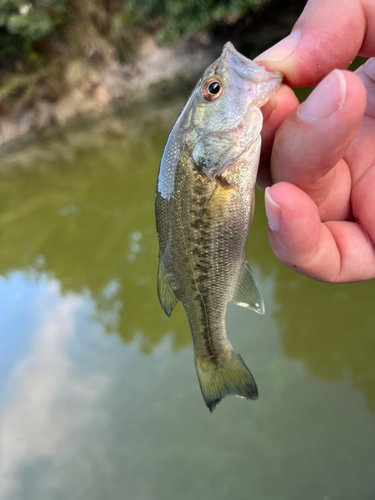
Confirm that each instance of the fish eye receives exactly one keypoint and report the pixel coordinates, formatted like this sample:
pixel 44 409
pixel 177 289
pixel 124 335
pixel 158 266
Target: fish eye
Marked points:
pixel 211 89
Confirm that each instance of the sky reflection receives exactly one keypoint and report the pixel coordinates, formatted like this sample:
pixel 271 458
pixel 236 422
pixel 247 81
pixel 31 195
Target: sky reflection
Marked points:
pixel 84 415
pixel 43 400
pixel 98 392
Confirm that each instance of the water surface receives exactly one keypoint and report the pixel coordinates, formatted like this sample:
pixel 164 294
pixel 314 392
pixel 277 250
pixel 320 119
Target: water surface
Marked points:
pixel 99 397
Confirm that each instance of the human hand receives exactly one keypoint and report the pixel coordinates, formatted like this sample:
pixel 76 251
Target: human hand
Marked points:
pixel 320 156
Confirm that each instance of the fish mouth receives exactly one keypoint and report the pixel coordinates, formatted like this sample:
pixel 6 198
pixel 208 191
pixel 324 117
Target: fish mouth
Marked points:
pixel 249 76
pixel 229 52
pixel 235 60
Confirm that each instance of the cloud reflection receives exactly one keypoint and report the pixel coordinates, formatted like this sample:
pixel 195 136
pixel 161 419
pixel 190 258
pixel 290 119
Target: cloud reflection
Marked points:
pixel 46 399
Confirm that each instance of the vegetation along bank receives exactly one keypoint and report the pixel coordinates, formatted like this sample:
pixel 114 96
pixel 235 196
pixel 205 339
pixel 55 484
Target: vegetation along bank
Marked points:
pixel 63 59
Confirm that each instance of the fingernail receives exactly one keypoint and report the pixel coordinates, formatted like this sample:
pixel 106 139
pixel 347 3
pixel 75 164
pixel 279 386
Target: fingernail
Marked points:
pixel 327 98
pixel 282 49
pixel 273 211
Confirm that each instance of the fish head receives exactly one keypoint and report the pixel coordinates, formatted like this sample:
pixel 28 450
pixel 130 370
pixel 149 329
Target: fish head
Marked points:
pixel 224 115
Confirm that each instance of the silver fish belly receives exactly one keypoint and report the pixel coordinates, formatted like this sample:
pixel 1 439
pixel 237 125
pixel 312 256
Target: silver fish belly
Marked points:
pixel 204 208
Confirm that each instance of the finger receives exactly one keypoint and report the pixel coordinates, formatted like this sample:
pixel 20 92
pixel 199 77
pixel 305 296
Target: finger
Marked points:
pixel 336 252
pixel 310 143
pixel 363 200
pixel 366 73
pixel 274 113
pixel 322 40
pixel 361 153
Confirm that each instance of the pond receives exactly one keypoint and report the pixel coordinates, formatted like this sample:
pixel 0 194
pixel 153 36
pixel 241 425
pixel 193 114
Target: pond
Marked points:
pixel 99 396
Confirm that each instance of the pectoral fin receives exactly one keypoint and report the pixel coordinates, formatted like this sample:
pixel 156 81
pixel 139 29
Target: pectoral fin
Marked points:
pixel 247 293
pixel 166 295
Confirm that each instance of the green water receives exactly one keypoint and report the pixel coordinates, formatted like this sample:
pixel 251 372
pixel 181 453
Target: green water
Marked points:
pixel 98 393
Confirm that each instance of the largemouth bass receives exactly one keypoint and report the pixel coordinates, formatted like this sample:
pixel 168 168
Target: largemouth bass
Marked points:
pixel 204 210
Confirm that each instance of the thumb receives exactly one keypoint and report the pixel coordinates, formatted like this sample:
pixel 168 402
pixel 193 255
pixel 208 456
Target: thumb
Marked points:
pixel 328 35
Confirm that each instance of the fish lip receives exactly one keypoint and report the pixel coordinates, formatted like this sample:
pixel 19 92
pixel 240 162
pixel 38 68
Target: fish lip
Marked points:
pixel 259 73
pixel 249 76
pixel 230 50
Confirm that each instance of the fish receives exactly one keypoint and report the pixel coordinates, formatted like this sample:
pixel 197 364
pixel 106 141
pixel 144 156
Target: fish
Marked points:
pixel 204 205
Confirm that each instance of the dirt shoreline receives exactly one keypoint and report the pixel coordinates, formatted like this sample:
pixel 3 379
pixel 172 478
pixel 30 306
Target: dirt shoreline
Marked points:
pixel 100 89
pixel 101 85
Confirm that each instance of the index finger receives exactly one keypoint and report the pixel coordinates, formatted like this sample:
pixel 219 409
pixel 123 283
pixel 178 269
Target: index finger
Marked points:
pixel 329 34
pixel 311 142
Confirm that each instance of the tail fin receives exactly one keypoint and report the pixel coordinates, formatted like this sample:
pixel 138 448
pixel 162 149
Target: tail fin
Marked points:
pixel 222 376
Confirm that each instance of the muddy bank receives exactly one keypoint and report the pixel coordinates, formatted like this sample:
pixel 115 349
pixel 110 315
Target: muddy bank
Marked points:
pixel 99 85
pixel 79 137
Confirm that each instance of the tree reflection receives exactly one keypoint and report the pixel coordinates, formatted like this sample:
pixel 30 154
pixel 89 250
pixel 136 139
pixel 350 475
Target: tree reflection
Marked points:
pixel 87 219
pixel 80 208
pixel 329 327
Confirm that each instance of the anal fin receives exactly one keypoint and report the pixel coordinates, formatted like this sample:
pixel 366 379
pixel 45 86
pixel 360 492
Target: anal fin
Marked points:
pixel 167 297
pixel 247 294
